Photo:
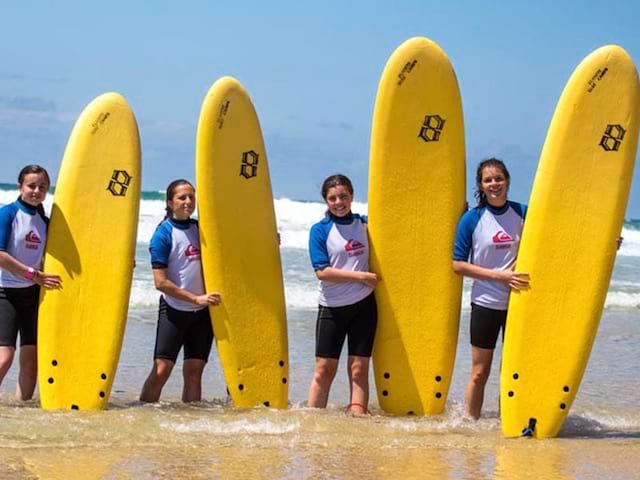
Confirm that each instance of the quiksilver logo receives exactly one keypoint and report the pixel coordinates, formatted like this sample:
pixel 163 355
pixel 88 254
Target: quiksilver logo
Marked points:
pixel 502 237
pixel 32 237
pixel 353 245
pixel 354 248
pixel 32 240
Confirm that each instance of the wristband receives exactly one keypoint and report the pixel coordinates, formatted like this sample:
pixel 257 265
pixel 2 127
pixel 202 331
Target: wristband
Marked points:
pixel 31 272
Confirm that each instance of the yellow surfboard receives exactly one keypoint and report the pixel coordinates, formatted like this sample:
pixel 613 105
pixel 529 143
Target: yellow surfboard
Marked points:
pixel 416 197
pixel 91 245
pixel 568 247
pixel 240 252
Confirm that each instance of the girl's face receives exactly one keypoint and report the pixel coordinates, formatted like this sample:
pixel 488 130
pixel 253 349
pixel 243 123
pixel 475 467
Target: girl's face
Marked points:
pixel 339 200
pixel 494 185
pixel 34 188
pixel 183 202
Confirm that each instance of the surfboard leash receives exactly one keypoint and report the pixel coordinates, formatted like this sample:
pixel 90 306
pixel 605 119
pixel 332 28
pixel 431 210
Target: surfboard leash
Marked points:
pixel 528 431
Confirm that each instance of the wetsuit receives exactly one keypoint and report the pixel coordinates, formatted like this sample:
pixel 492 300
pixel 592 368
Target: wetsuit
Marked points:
pixel 489 237
pixel 175 246
pixel 346 309
pixel 23 234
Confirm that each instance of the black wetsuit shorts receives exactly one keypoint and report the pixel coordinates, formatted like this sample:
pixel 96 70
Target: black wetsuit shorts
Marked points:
pixel 357 322
pixel 19 313
pixel 177 328
pixel 486 324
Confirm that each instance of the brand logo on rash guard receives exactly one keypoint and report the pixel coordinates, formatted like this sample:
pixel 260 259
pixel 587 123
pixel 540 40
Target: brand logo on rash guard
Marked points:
pixel 192 253
pixel 502 237
pixel 502 240
pixel 353 245
pixel 33 240
pixel 354 248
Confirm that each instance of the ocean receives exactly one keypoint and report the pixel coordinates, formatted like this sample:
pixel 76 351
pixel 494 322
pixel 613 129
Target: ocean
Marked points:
pixel 600 439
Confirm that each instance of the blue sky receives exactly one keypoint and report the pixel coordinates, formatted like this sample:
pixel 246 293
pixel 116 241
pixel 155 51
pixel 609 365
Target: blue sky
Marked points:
pixel 311 69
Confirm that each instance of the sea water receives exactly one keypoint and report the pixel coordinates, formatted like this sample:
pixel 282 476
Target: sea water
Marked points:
pixel 210 439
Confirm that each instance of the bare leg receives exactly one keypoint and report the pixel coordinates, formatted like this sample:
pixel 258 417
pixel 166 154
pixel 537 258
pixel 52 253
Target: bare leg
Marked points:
pixel 192 374
pixel 28 375
pixel 323 376
pixel 480 368
pixel 358 368
pixel 6 359
pixel 158 376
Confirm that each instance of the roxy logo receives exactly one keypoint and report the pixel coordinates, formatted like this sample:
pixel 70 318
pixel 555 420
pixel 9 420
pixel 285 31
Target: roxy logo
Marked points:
pixel 192 253
pixel 502 237
pixel 354 248
pixel 33 240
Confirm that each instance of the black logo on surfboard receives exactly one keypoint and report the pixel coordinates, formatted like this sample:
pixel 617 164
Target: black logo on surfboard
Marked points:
pixel 595 79
pixel 406 70
pixel 431 128
pixel 612 138
pixel 249 167
pixel 99 121
pixel 119 183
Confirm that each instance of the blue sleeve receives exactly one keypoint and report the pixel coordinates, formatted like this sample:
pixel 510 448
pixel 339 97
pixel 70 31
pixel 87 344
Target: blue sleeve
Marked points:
pixel 364 218
pixel 318 245
pixel 160 246
pixel 464 235
pixel 520 209
pixel 7 214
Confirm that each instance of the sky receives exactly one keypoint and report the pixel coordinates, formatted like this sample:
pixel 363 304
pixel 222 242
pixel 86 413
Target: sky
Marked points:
pixel 312 70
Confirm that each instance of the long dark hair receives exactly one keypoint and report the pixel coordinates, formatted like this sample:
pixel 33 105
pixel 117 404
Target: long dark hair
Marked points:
pixel 171 191
pixel 38 170
pixel 489 162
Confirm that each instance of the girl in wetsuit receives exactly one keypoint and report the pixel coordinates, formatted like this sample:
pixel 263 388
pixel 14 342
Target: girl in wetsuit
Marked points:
pixel 183 318
pixel 486 247
pixel 339 251
pixel 23 235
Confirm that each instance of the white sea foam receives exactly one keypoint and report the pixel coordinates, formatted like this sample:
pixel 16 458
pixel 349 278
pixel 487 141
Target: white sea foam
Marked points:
pixel 631 243
pixel 300 296
pixel 143 294
pixel 452 421
pixel 147 224
pixel 258 426
pixel 624 300
pixel 623 285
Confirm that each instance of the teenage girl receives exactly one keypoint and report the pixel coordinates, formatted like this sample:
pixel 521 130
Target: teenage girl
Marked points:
pixel 339 251
pixel 485 249
pixel 183 318
pixel 23 235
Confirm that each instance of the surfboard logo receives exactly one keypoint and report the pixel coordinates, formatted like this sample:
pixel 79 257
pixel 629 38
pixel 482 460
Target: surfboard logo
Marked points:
pixel 33 240
pixel 431 128
pixel 224 108
pixel 249 166
pixel 593 81
pixel 119 183
pixel 502 237
pixel 191 252
pixel 612 138
pixel 99 121
pixel 406 70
